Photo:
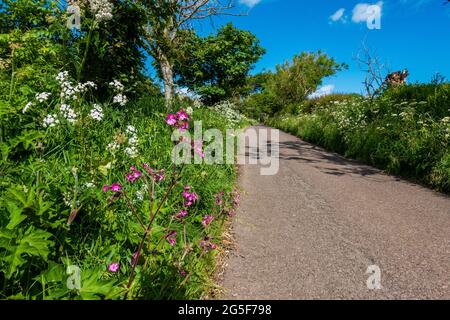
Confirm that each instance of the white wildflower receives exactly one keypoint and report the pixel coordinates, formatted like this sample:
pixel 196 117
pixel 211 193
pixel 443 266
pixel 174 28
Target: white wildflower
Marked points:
pixel 120 99
pixel 112 146
pixel 68 113
pixel 89 185
pixel 62 76
pixel 133 142
pixel 50 121
pixel 131 129
pixel 140 195
pixel 117 85
pixel 27 106
pixel 189 111
pixel 43 96
pixel 131 152
pixel 83 87
pixel 102 10
pixel 97 112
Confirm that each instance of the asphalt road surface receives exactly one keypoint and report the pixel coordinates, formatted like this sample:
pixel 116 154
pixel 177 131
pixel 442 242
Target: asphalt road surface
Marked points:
pixel 313 230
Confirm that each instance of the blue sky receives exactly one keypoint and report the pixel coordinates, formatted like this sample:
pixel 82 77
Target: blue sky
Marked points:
pixel 414 34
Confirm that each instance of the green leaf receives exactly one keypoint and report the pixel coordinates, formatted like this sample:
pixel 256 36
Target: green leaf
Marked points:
pixel 15 215
pixel 92 287
pixel 34 243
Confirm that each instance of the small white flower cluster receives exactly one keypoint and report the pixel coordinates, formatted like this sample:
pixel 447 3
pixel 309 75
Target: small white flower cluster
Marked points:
pixel 120 99
pixel 118 88
pixel 133 141
pixel 117 85
pixel 112 146
pixel 89 185
pixel 140 194
pixel 62 76
pixel 68 113
pixel 83 87
pixel 197 104
pixel 68 90
pixel 27 106
pixel 102 10
pixel 189 111
pixel 50 121
pixel 229 111
pixel 97 113
pixel 43 96
pixel 67 198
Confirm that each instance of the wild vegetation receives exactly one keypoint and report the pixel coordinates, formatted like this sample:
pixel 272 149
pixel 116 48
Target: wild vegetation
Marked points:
pixel 406 130
pixel 91 204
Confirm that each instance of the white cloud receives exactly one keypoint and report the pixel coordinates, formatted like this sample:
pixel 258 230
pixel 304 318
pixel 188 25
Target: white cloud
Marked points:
pixel 361 12
pixel 338 15
pixel 322 91
pixel 250 3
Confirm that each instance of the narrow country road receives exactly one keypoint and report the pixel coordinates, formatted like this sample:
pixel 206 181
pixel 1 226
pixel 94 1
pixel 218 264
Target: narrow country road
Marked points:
pixel 312 230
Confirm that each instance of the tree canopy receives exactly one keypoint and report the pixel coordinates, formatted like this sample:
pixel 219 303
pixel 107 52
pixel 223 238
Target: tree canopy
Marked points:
pixel 216 67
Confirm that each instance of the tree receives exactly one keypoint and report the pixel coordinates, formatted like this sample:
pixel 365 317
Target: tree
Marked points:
pixel 371 64
pixel 257 82
pixel 164 22
pixel 294 81
pixel 216 67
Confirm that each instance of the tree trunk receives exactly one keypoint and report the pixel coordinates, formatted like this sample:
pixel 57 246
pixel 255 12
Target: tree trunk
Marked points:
pixel 167 73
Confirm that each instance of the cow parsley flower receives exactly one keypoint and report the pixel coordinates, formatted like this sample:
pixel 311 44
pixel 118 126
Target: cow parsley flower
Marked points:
pixel 50 120
pixel 62 76
pixel 131 129
pixel 120 99
pixel 117 85
pixel 102 10
pixel 43 96
pixel 97 112
pixel 112 146
pixel 132 152
pixel 68 113
pixel 83 87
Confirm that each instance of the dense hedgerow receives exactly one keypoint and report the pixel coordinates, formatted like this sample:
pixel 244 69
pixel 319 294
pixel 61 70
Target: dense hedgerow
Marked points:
pixel 405 131
pixel 82 182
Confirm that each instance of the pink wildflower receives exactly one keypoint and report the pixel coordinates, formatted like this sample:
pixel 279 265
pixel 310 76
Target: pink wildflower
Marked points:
pixel 133 175
pixel 207 245
pixel 182 116
pixel 182 214
pixel 184 126
pixel 105 188
pixel 113 267
pixel 171 120
pixel 207 221
pixel 171 237
pixel 115 187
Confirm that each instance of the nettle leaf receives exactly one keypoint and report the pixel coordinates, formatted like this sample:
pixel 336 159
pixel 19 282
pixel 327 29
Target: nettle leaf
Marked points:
pixel 15 215
pixel 33 243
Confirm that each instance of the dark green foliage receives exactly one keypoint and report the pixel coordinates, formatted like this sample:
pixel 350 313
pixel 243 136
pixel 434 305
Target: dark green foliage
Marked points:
pixel 216 67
